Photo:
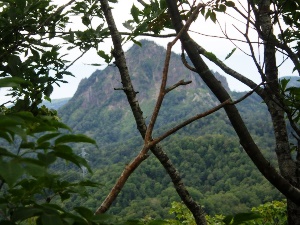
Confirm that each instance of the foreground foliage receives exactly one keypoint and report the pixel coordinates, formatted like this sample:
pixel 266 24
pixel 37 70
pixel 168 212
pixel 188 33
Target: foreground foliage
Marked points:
pixel 268 213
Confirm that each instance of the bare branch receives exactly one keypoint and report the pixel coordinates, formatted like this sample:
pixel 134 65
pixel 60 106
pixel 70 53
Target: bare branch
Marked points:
pixel 247 95
pixel 230 71
pixel 185 63
pixel 260 71
pixel 185 123
pixel 150 35
pixel 179 83
pixel 202 115
pixel 129 169
pixel 220 37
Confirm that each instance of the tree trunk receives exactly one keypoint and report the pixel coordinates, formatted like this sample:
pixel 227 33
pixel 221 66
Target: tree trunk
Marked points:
pixel 283 182
pixel 287 165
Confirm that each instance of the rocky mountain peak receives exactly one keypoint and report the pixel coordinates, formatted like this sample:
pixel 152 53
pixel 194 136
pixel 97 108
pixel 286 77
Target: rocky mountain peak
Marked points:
pixel 145 65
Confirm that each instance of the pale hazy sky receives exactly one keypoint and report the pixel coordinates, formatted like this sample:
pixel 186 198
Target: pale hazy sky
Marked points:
pixel 220 47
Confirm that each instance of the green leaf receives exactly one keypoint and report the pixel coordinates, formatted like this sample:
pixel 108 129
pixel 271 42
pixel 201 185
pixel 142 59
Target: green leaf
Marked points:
pixel 88 183
pixel 35 170
pixel 48 158
pixel 67 138
pixel 157 222
pixel 84 212
pixel 47 137
pixel 229 4
pixel 6 121
pixel 21 4
pixel 70 157
pixel 243 217
pixel 228 219
pixel 230 54
pixel 23 213
pixel 222 8
pixel 17 131
pixel 48 90
pixel 85 20
pixel 51 219
pixel 12 82
pixel 135 13
pixel 10 171
pixel 103 218
pixel 103 55
pixel 283 83
pixel 136 42
pixel 28 145
pixel 35 54
pixel 14 63
pixel 213 17
pixel 64 196
pixel 63 148
pixel 4 152
pixel 6 136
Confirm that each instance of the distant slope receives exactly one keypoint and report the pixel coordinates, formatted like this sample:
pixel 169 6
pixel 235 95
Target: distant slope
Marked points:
pixel 56 103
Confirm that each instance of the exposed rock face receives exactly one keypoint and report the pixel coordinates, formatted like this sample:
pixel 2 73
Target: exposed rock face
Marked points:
pixel 145 66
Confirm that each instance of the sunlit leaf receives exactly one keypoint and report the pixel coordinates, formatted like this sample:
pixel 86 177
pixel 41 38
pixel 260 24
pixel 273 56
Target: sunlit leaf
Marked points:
pixel 230 54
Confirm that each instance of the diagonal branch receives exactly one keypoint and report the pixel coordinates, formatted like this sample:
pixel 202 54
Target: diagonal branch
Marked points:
pixel 230 71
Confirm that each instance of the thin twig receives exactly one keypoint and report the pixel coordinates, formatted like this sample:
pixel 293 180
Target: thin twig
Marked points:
pixel 162 91
pixel 150 35
pixel 179 83
pixel 185 63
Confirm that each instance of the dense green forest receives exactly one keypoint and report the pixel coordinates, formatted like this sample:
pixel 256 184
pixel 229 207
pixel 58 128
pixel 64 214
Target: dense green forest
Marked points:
pixel 213 165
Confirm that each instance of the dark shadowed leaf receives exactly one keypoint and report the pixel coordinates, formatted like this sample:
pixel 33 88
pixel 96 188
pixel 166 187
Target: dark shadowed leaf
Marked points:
pixel 74 138
pixel 51 219
pixel 47 137
pixel 11 172
pixel 135 13
pixel 84 212
pixel 23 213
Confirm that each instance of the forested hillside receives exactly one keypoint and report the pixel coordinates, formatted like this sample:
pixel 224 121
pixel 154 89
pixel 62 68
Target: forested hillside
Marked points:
pixel 214 167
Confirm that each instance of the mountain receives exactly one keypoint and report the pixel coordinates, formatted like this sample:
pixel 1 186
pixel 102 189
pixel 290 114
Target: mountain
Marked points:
pixel 96 103
pixel 214 167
